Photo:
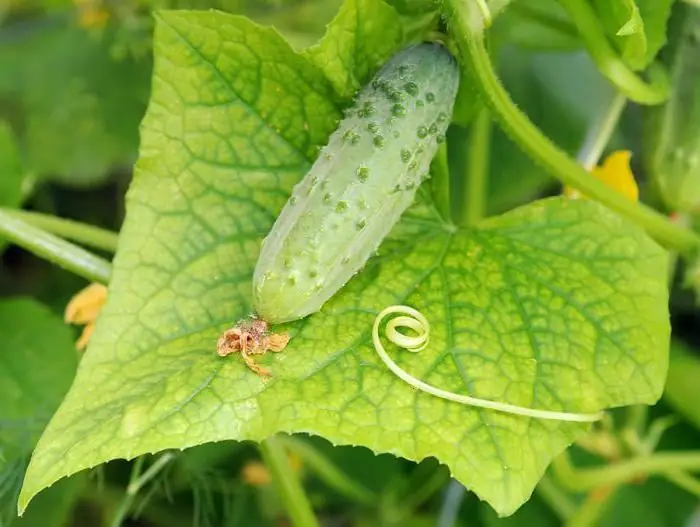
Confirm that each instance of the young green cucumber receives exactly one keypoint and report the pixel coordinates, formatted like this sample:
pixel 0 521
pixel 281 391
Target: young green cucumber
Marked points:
pixel 363 180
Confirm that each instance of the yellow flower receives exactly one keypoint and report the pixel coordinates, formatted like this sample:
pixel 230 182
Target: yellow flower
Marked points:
pixel 256 474
pixel 84 309
pixel 91 14
pixel 615 173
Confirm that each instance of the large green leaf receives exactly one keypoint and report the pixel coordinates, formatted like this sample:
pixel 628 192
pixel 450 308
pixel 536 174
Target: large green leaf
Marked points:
pixel 350 50
pixel 37 363
pixel 558 305
pixel 636 27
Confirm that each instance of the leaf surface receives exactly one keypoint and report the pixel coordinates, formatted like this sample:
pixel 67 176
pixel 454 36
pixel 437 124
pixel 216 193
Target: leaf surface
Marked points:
pixel 636 27
pixel 360 38
pixel 558 305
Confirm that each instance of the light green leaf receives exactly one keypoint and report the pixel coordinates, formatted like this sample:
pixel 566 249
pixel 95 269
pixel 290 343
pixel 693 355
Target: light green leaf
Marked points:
pixel 11 170
pixel 559 305
pixel 636 27
pixel 37 363
pixel 359 39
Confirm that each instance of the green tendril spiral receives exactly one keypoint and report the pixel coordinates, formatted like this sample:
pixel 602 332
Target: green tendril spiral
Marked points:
pixel 412 319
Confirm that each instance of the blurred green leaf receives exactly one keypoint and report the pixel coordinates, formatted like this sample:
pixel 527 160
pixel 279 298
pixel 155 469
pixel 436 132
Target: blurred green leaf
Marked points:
pixel 540 25
pixel 358 40
pixel 561 93
pixel 672 139
pixel 681 391
pixel 12 175
pixel 637 28
pixel 54 507
pixel 75 110
pixel 37 363
pixel 652 503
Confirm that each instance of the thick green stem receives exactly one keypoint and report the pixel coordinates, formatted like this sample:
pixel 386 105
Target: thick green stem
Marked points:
pixel 583 479
pixel 69 229
pixel 601 131
pixel 592 508
pixel 137 481
pixel 441 183
pixel 54 249
pixel 288 485
pixel 328 472
pixel 559 501
pixel 452 502
pixel 474 202
pixel 467 32
pixel 608 61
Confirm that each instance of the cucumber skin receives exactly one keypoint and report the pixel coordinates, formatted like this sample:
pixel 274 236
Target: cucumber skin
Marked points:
pixel 363 180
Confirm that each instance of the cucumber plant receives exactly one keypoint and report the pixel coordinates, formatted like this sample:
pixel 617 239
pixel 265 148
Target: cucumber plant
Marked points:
pixel 288 180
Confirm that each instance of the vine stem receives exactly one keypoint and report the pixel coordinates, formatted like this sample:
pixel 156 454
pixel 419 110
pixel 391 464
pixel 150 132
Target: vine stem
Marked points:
pixel 583 479
pixel 477 169
pixel 441 183
pixel 590 29
pixel 467 32
pixel 288 485
pixel 599 134
pixel 137 480
pixel 328 472
pixel 69 229
pixel 54 249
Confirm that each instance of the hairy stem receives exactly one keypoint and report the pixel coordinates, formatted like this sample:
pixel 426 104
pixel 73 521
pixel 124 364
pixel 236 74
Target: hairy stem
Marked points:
pixel 467 32
pixel 288 485
pixel 69 229
pixel 54 249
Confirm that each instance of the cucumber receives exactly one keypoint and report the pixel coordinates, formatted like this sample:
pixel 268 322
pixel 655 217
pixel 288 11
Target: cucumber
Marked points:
pixel 363 180
pixel 672 140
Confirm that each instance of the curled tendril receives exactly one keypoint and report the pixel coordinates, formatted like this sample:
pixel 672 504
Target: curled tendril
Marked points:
pixel 410 318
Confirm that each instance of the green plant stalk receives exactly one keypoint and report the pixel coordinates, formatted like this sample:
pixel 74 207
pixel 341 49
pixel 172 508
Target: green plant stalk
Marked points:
pixel 441 183
pixel 599 134
pixel 330 474
pixel 593 507
pixel 610 64
pixel 137 480
pixel 69 229
pixel 288 485
pixel 467 32
pixel 556 499
pixel 684 481
pixel 452 502
pixel 474 203
pixel 580 480
pixel 54 249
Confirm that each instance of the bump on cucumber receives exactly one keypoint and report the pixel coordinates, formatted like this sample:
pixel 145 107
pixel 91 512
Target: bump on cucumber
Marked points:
pixel 363 180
